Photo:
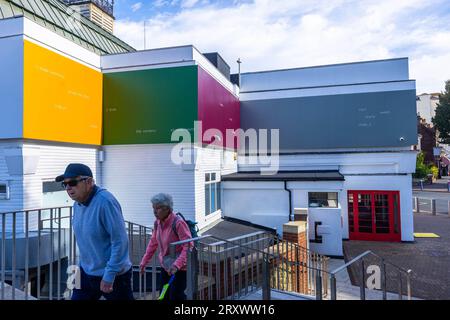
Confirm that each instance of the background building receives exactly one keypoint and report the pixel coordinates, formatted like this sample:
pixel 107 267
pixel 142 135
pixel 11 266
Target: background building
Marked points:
pixel 428 135
pixel 427 140
pixel 99 11
pixel 426 106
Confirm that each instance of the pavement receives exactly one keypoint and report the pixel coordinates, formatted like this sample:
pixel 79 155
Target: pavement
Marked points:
pixel 438 191
pixel 428 258
pixel 440 185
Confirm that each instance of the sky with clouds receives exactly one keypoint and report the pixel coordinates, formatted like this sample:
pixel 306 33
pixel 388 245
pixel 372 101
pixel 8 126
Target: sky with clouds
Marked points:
pixel 276 34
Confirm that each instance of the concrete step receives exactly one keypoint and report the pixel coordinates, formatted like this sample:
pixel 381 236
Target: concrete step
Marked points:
pixel 278 295
pixel 18 294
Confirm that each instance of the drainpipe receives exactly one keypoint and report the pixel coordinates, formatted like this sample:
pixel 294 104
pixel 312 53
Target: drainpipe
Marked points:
pixel 290 199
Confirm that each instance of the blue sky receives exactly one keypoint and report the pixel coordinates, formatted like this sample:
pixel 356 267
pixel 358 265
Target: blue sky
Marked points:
pixel 274 34
pixel 139 10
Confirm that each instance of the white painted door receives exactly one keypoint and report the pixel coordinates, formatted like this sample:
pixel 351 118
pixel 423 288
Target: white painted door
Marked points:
pixel 325 231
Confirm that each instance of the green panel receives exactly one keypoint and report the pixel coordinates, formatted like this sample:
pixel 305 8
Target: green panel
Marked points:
pixel 144 107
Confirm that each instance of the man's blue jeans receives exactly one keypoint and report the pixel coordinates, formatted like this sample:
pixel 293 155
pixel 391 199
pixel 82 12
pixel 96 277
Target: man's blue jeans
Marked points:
pixel 90 288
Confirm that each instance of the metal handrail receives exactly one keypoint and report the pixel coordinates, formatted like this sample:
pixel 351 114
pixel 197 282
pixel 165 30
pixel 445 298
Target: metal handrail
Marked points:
pixel 366 253
pixel 339 269
pixel 62 246
pixel 237 238
pixel 34 209
pixel 220 242
pixel 289 268
pixel 229 241
pixel 409 271
pixel 362 286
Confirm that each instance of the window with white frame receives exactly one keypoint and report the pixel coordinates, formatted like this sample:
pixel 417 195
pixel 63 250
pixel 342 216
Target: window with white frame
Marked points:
pixel 212 193
pixel 4 191
pixel 323 199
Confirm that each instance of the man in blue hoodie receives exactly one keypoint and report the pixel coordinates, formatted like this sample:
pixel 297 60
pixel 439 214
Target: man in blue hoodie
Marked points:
pixel 101 237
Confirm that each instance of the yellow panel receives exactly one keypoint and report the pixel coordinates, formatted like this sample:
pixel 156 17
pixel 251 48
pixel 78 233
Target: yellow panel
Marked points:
pixel 426 235
pixel 62 98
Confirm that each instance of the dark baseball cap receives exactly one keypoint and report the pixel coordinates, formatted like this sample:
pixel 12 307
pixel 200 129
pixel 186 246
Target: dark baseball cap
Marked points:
pixel 74 170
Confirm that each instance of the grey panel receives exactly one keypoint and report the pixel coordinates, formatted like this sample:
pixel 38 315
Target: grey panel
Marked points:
pixel 376 119
pixel 328 75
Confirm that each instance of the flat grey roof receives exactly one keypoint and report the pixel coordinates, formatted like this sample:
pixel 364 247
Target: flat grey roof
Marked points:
pixel 285 176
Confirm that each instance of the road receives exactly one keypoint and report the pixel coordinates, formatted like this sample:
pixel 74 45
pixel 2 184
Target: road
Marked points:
pixel 442 199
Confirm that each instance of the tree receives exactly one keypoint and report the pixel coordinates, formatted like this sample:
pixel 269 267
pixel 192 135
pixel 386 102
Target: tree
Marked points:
pixel 442 118
pixel 421 168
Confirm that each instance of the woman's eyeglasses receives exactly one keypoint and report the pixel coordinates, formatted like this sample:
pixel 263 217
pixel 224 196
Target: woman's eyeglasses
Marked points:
pixel 72 183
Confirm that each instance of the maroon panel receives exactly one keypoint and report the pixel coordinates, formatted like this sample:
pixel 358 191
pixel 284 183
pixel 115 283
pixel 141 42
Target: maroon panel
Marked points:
pixel 218 109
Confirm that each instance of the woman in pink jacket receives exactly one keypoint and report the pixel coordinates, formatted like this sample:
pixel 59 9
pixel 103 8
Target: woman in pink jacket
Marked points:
pixel 168 228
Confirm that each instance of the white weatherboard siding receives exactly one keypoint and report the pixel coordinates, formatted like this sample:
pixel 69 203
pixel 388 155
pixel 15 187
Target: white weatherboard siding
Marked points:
pixel 15 185
pixel 134 173
pixel 52 161
pixel 210 160
pixel 37 163
pixel 11 86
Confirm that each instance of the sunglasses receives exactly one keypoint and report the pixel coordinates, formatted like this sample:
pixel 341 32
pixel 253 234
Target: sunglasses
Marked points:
pixel 72 183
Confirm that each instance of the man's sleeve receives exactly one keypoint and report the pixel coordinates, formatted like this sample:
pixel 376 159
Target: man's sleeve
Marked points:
pixel 115 225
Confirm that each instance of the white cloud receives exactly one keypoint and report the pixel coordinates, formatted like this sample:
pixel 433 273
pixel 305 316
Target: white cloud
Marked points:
pixel 160 3
pixel 135 7
pixel 269 34
pixel 188 3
